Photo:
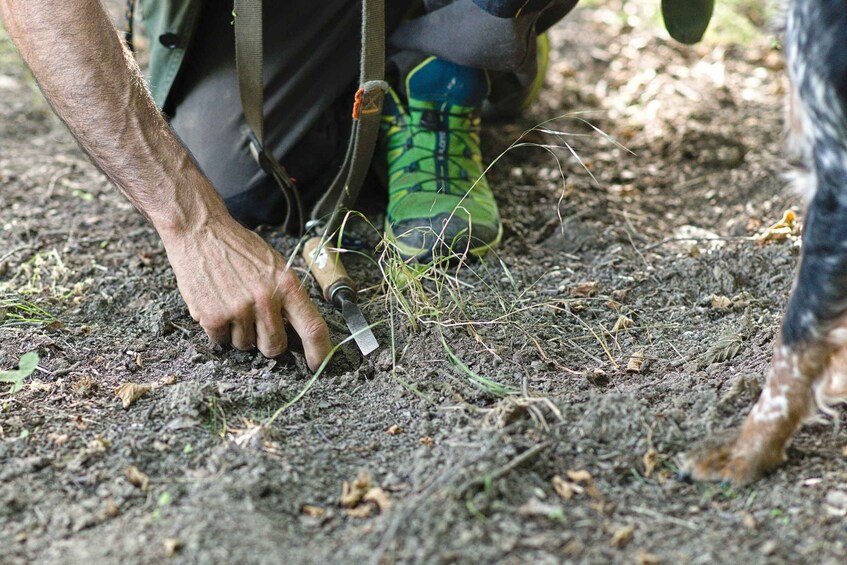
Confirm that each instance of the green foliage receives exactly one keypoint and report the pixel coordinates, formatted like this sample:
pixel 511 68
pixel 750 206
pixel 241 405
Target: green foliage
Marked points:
pixel 26 366
pixel 15 310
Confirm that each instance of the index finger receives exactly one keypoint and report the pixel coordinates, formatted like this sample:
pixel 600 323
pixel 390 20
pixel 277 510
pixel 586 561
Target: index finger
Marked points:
pixel 306 321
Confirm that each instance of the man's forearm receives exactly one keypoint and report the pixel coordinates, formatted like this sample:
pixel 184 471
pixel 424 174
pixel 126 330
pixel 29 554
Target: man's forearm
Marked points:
pixel 94 85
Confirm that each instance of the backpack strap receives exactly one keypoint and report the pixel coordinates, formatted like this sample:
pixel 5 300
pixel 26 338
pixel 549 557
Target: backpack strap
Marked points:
pixel 367 111
pixel 249 66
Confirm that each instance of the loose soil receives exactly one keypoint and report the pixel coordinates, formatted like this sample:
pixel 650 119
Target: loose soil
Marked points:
pixel 629 313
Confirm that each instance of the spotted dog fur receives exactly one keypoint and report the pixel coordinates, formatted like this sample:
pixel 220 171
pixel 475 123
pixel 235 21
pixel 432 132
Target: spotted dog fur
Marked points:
pixel 809 366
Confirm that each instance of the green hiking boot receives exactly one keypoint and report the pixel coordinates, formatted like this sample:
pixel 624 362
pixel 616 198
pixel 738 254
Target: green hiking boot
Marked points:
pixel 439 202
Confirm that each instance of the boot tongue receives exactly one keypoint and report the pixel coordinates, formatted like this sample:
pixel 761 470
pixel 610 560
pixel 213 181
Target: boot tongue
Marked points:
pixel 442 82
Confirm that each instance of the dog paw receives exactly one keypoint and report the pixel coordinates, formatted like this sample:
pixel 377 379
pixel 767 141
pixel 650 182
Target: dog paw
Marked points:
pixel 724 461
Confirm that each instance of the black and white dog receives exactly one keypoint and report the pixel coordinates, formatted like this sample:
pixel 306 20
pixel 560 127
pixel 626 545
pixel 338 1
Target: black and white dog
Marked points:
pixel 809 366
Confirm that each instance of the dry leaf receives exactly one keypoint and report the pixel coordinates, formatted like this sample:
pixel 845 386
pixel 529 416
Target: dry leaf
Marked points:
pixel 361 511
pixel 635 362
pixel 394 430
pixel 720 302
pixel 252 436
pixel 622 536
pixel 378 497
pixel 313 511
pixel 565 489
pixel 57 439
pixel 99 444
pixel 622 323
pixel 585 289
pixel 137 478
pixel 649 460
pixel 172 546
pixel 130 392
pixel 111 508
pixel 779 230
pixel 167 380
pixel 581 476
pixel 748 520
pixel 427 441
pixel 724 349
pixel 620 294
pixel 352 494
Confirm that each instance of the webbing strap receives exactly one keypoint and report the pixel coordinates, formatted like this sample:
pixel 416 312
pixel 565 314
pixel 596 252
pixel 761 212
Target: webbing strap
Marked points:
pixel 367 111
pixel 249 66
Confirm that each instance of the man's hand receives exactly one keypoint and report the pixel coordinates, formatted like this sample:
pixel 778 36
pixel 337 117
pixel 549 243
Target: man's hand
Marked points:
pixel 235 285
pixel 239 290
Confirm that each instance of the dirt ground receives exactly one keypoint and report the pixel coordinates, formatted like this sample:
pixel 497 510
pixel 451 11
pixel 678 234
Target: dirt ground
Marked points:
pixel 626 317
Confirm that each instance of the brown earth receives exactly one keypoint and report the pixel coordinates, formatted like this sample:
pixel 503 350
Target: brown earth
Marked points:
pixel 652 259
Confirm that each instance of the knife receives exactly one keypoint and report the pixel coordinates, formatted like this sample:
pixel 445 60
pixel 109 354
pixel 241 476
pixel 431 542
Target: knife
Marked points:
pixel 339 290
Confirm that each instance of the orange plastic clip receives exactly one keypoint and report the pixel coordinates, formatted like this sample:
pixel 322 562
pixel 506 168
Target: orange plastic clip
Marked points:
pixel 357 103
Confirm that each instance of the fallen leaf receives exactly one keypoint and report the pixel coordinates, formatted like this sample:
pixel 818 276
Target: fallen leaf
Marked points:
pixel 313 511
pixel 724 349
pixel 130 392
pixel 252 436
pixel 57 439
pixel 649 459
pixel 622 536
pixel 720 302
pixel 99 444
pixel 167 380
pixel 778 231
pixel 394 430
pixel 635 362
pixel 361 511
pixel 620 294
pixel 378 497
pixel 581 476
pixel 565 489
pixel 137 478
pixel 111 508
pixel 748 520
pixel 585 289
pixel 352 494
pixel 427 441
pixel 622 323
pixel 85 385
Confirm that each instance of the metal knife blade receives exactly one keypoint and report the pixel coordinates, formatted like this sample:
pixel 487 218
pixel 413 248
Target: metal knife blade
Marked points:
pixel 365 338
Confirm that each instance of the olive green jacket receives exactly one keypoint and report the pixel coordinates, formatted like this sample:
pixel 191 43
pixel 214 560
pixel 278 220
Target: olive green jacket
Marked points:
pixel 170 25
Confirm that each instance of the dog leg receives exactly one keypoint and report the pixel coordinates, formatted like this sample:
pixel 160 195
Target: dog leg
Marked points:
pixel 810 360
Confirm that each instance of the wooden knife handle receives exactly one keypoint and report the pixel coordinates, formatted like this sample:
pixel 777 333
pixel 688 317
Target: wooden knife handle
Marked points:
pixel 327 268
